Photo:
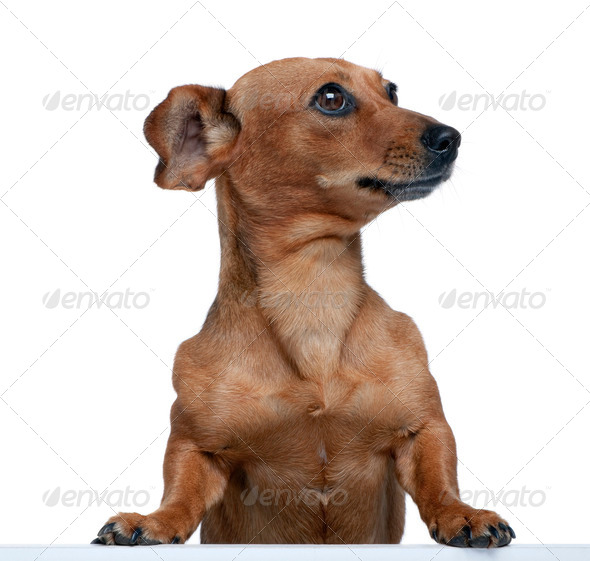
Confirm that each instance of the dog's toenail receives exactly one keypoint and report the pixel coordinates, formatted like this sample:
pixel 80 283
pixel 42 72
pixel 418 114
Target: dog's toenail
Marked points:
pixel 135 535
pixel 106 529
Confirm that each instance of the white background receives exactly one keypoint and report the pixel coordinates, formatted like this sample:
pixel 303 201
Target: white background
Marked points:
pixel 85 392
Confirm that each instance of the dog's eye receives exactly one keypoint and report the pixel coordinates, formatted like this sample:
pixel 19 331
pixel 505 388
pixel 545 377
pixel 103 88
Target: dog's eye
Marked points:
pixel 392 92
pixel 332 99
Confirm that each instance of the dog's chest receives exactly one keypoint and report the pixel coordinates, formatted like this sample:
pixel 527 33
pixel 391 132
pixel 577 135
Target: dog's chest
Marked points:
pixel 298 427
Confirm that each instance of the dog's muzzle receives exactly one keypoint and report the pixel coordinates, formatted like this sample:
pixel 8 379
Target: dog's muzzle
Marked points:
pixel 442 147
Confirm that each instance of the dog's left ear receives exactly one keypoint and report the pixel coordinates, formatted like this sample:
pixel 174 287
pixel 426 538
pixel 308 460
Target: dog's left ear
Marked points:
pixel 193 135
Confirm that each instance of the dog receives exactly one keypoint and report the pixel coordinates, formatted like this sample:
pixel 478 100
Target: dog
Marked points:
pixel 297 421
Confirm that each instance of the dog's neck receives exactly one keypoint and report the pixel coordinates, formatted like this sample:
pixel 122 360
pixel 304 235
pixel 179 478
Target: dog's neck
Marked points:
pixel 302 273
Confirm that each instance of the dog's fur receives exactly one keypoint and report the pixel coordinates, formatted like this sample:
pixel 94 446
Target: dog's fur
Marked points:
pixel 302 419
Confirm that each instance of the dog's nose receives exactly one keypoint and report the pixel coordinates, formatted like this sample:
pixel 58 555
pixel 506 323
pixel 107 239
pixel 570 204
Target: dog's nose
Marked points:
pixel 442 140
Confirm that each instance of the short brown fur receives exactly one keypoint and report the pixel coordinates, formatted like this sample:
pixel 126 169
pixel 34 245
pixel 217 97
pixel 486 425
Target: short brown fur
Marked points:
pixel 299 422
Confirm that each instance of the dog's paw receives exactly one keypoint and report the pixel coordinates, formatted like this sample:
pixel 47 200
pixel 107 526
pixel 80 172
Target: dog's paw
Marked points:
pixel 135 529
pixel 463 526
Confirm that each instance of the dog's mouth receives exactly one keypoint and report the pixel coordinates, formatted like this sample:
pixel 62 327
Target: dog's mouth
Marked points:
pixel 405 191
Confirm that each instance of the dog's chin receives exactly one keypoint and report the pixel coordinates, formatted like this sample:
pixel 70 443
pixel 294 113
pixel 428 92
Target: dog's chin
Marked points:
pixel 405 191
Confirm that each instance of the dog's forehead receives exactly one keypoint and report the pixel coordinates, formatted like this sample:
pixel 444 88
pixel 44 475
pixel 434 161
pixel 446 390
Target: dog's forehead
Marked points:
pixel 297 77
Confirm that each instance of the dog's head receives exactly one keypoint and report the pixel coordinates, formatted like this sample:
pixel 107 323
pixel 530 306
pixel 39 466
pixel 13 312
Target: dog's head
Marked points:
pixel 320 135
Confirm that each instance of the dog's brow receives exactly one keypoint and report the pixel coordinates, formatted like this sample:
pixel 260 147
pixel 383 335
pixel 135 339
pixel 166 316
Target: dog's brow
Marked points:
pixel 342 76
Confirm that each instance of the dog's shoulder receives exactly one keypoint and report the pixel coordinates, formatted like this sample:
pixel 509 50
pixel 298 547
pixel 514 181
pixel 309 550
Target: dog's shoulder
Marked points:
pixel 195 365
pixel 398 328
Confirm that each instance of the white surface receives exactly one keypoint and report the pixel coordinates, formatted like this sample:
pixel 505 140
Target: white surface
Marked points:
pixel 293 553
pixel 86 412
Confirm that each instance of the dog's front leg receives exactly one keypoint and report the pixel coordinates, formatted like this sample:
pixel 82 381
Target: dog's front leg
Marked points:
pixel 426 467
pixel 193 481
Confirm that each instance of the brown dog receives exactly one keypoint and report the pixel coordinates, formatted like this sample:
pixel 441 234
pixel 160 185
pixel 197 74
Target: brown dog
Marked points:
pixel 298 419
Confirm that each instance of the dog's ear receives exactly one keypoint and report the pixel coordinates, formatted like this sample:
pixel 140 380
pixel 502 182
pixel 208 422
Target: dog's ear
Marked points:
pixel 193 135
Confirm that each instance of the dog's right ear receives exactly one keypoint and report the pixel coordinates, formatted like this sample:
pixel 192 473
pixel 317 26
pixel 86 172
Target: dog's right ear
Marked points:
pixel 193 135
